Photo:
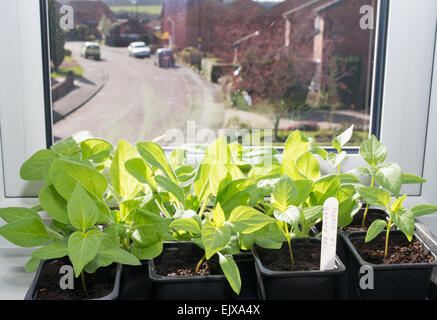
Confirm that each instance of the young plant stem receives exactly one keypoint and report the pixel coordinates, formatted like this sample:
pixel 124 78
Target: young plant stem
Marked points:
pixel 287 235
pixel 202 209
pixel 199 264
pixel 162 208
pixel 363 224
pixel 82 277
pixel 56 234
pixel 386 239
pixel 339 169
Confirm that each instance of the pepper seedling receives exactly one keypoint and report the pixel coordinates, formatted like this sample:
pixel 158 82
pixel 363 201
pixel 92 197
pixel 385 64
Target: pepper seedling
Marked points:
pixel 403 219
pixel 217 234
pixel 388 176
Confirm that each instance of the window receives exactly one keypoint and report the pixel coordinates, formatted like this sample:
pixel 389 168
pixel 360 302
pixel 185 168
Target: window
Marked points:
pixel 220 66
pixel 389 83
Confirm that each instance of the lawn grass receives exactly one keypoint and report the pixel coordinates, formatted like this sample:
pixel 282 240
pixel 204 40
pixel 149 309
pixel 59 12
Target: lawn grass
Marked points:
pixel 150 9
pixel 63 71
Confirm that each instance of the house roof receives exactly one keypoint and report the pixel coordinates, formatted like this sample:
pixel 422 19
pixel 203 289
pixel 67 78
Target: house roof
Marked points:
pixel 328 6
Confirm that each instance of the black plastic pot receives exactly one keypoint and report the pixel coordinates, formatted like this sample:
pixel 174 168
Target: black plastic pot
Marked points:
pixel 32 292
pixel 299 285
pixel 246 266
pixel 393 281
pixel 211 287
pixel 135 283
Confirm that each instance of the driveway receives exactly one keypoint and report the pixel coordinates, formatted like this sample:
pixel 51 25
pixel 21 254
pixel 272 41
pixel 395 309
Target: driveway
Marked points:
pixel 139 100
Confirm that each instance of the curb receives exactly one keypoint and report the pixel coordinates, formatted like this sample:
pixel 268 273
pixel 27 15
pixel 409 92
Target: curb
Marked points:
pixel 58 117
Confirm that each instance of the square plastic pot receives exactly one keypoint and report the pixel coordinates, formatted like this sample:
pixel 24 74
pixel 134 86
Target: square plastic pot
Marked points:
pixel 210 287
pixel 32 292
pixel 300 285
pixel 135 283
pixel 393 281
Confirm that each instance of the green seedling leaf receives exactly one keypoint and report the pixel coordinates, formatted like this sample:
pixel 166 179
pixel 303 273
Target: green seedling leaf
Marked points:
pixel 122 182
pixel 155 156
pixel 304 188
pixel 290 216
pixel 97 150
pixel 147 253
pixel 214 238
pixel 218 216
pixel 27 233
pixel 108 256
pixel 408 178
pixel 348 178
pixel 340 141
pixel 423 210
pixel 54 204
pixel 66 147
pixel 397 205
pixel 34 168
pixel 295 146
pixel 65 174
pixel 128 207
pixel 375 229
pixel 389 177
pixel 335 160
pixel 322 153
pixel 236 193
pixel 149 228
pixel 82 211
pixel 187 225
pixel 171 187
pixel 139 169
pixel 12 214
pixel 308 166
pixel 247 220
pixel 323 189
pixel 284 193
pixel 312 213
pixel 82 248
pixel 374 196
pixel 32 265
pixel 53 250
pixel 373 151
pixel 230 269
pixel 405 222
pixel 348 205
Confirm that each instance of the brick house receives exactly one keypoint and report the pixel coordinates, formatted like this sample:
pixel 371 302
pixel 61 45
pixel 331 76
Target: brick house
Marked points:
pixel 90 13
pixel 191 23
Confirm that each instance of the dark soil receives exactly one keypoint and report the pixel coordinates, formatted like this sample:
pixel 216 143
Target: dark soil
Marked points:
pixel 306 257
pixel 183 264
pixel 358 219
pixel 400 251
pixel 99 284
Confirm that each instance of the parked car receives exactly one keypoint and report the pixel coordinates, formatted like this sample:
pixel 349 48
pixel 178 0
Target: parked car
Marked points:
pixel 164 58
pixel 91 49
pixel 139 50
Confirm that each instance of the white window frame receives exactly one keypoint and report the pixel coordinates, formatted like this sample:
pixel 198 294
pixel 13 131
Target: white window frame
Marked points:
pixel 407 81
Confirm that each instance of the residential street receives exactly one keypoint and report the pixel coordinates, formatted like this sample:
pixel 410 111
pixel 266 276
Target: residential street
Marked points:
pixel 139 100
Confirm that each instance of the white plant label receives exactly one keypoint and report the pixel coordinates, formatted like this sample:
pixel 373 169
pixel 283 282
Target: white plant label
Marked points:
pixel 329 234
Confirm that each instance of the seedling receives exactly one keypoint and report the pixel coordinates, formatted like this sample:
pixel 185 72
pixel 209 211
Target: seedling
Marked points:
pixel 219 235
pixel 389 176
pixel 403 219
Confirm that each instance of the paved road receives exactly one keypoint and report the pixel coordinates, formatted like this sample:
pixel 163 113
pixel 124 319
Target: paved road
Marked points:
pixel 141 101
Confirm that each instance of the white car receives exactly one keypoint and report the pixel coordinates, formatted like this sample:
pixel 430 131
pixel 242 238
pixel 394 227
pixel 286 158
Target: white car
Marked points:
pixel 139 49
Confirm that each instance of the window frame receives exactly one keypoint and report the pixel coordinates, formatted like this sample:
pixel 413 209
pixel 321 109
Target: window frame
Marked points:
pixel 30 131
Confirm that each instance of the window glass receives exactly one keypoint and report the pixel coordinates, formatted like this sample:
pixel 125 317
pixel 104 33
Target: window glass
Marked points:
pixel 184 71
